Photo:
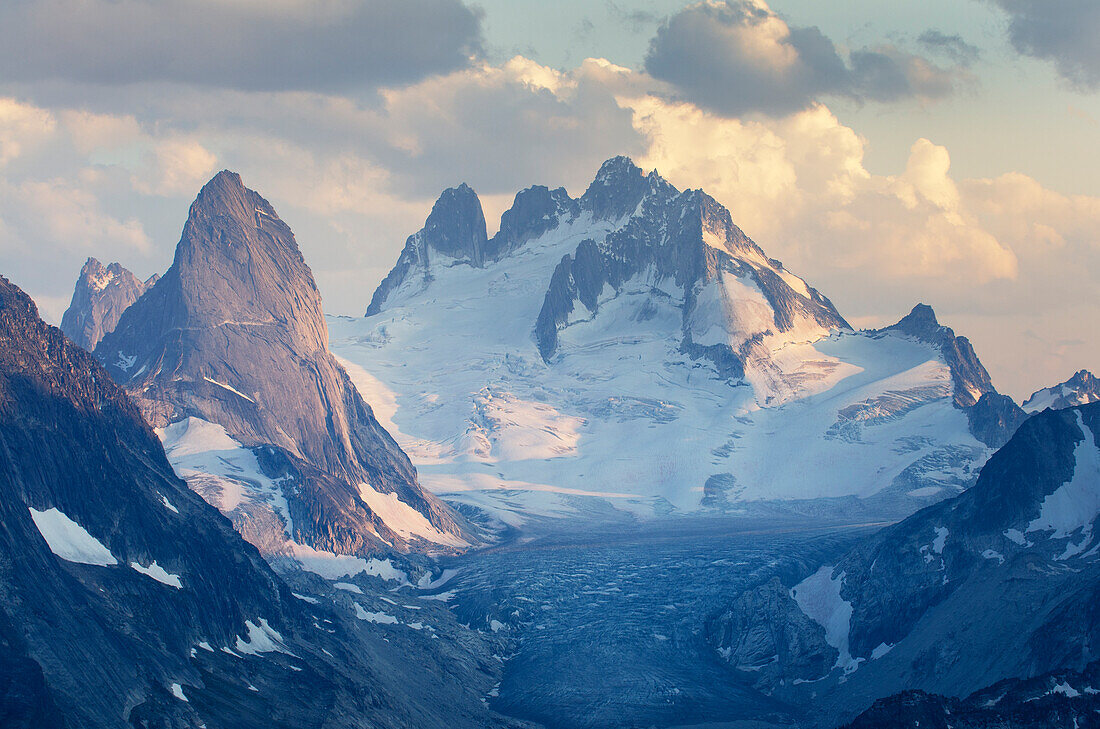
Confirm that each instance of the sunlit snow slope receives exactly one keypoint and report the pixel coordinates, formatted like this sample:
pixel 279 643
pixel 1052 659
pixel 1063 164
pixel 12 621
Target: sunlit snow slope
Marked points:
pixel 633 348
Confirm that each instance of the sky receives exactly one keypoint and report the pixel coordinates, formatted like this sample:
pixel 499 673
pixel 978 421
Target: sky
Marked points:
pixel 890 153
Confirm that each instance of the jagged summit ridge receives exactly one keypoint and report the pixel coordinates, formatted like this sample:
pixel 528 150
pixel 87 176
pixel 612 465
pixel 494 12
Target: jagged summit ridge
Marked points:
pixel 971 379
pixel 1081 389
pixel 234 335
pixel 641 225
pixel 640 308
pixel 100 296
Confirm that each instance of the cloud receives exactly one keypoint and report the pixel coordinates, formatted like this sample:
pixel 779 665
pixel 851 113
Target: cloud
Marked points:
pixel 22 126
pixel 1063 32
pixel 354 177
pixel 953 46
pixel 737 56
pixel 244 44
pixel 799 187
pixel 176 166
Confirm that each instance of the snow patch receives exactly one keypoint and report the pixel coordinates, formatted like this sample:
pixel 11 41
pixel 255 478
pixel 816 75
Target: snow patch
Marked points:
pixel 940 540
pixel 379 617
pixel 125 362
pixel 404 519
pixel 224 386
pixel 70 541
pixel 158 573
pixel 818 596
pixel 262 638
pixel 994 554
pixel 349 587
pixel 333 566
pixel 221 469
pixel 168 504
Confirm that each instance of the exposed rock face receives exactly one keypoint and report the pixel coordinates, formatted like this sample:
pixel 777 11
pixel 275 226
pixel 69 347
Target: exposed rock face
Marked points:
pixel 100 297
pixel 970 376
pixel 126 600
pixel 641 304
pixel 999 582
pixel 1056 699
pixel 234 334
pixel 455 231
pixel 689 241
pixel 1081 389
pixel 993 417
pixel 765 634
pixel 107 637
pixel 534 211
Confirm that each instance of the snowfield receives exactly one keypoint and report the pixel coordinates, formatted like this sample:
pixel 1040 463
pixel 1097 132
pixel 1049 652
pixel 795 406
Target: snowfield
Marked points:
pixel 622 416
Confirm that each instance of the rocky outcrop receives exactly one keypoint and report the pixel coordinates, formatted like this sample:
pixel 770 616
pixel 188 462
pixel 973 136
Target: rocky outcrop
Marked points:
pixel 769 639
pixel 1081 389
pixel 454 231
pixel 234 334
pixel 101 294
pixel 993 417
pixel 998 582
pixel 734 300
pixel 534 211
pixel 1056 699
pixel 127 600
pixel 970 377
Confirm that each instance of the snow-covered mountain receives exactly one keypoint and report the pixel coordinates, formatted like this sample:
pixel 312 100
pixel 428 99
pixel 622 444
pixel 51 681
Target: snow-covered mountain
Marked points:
pixel 227 355
pixel 999 582
pixel 1081 389
pixel 100 296
pixel 633 347
pixel 127 601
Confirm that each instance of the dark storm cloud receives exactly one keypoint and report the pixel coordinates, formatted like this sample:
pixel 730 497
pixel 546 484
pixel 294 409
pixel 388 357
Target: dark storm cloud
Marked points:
pixel 242 44
pixel 737 57
pixel 1064 32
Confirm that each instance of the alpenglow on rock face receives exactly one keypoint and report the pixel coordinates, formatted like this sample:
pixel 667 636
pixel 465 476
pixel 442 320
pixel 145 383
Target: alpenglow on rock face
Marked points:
pixel 101 294
pixel 228 355
pixel 128 601
pixel 634 347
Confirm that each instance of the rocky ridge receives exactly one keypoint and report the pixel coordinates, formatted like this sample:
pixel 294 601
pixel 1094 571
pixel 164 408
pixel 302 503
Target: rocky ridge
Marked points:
pixel 912 606
pixel 233 334
pixel 100 296
pixel 127 601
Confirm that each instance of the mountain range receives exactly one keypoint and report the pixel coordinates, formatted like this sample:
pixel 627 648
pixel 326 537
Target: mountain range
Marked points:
pixel 632 352
pixel 227 355
pixel 909 608
pixel 128 601
pixel 626 355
